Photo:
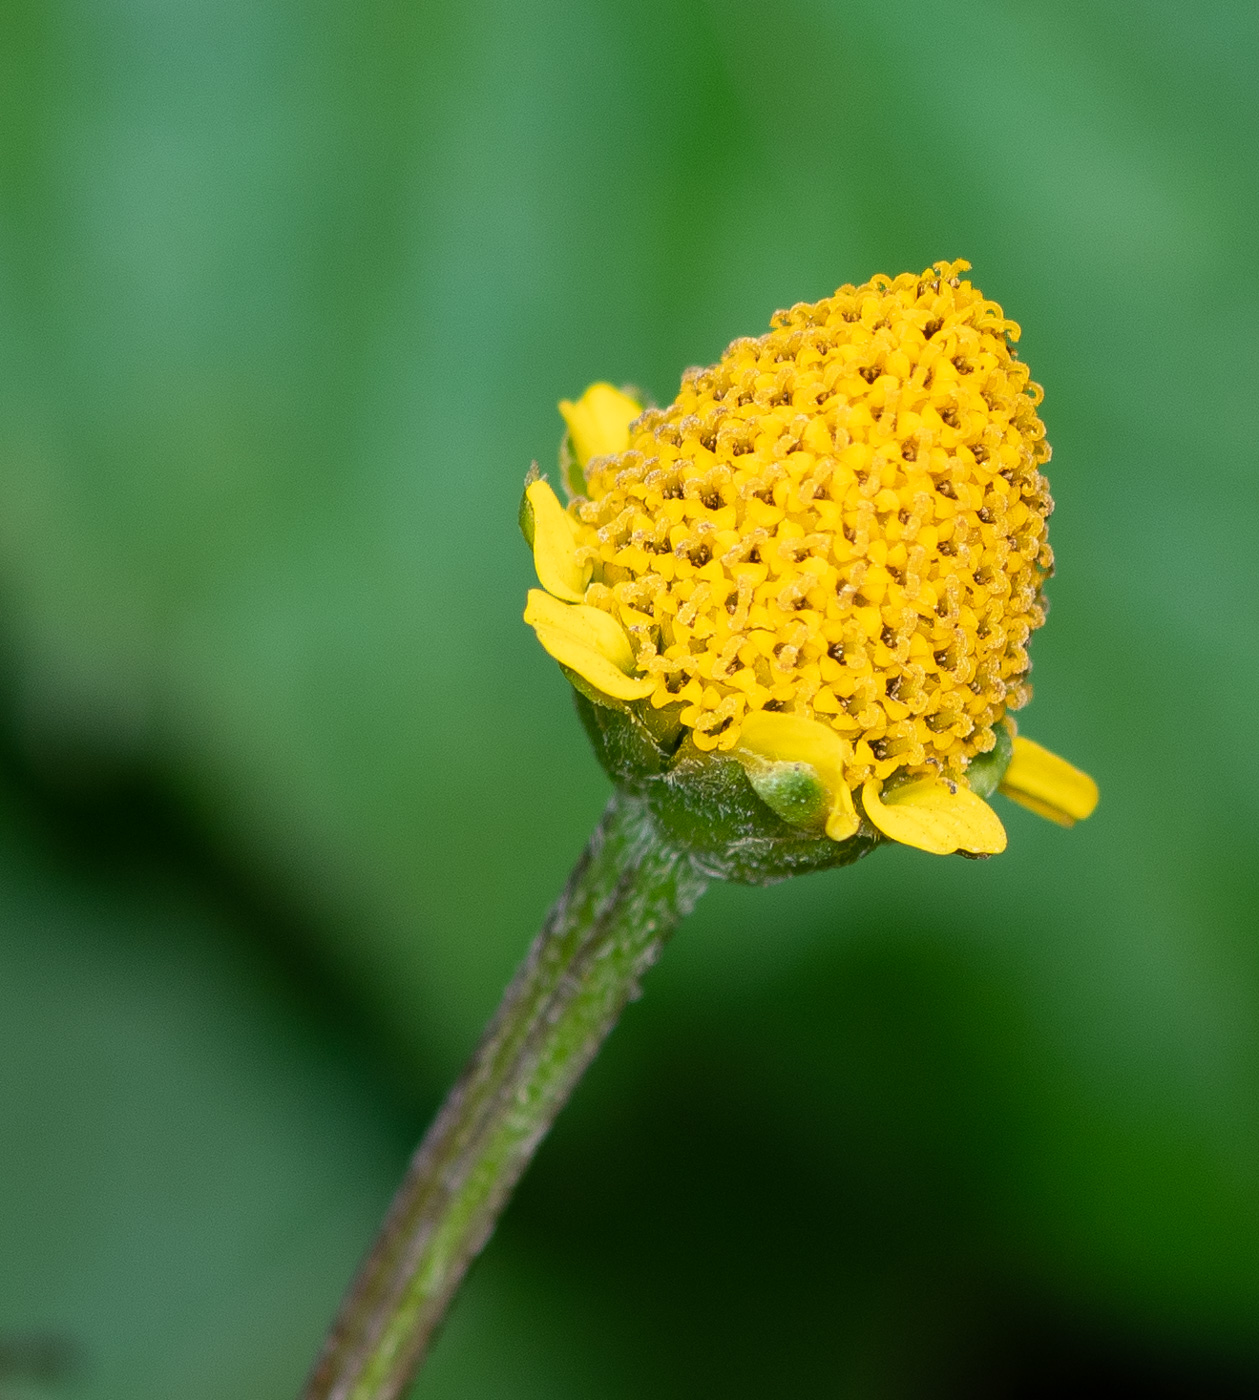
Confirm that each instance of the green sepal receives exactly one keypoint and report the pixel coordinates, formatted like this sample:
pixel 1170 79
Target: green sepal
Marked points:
pixel 664 724
pixel 571 474
pixel 628 752
pixel 986 770
pixel 525 516
pixel 793 790
pixel 705 802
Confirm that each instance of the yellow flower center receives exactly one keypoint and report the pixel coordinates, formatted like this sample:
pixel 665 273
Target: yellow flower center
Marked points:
pixel 844 520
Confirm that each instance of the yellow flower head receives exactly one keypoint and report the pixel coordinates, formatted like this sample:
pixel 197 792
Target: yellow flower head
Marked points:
pixel 828 550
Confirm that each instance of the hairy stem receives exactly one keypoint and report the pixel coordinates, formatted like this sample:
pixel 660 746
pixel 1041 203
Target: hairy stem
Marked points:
pixel 622 901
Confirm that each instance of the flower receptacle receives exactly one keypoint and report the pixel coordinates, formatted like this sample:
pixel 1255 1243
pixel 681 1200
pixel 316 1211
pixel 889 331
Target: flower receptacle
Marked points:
pixel 707 803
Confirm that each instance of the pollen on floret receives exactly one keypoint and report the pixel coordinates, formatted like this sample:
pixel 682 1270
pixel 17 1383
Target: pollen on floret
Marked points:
pixel 843 519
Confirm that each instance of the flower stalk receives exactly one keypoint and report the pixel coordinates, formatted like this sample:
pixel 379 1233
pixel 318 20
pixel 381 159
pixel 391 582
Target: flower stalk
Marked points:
pixel 626 895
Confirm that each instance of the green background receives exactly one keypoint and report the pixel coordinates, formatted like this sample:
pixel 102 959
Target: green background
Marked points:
pixel 287 295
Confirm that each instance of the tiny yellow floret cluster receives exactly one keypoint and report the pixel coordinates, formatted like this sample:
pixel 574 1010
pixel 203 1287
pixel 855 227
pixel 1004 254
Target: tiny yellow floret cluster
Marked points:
pixel 827 551
pixel 843 519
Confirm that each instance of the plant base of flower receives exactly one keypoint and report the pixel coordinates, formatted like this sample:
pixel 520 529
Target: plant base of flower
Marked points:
pixel 705 803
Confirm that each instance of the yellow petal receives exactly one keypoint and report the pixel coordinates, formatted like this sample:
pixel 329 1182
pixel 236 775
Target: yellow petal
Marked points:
pixel 598 423
pixel 593 666
pixel 1048 785
pixel 555 545
pixel 774 737
pixel 936 816
pixel 589 642
pixel 591 627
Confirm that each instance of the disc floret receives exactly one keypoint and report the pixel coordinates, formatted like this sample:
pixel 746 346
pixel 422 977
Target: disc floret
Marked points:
pixel 843 519
pixel 841 525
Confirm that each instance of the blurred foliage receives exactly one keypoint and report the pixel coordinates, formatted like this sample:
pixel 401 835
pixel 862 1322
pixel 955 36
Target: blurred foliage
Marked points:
pixel 287 296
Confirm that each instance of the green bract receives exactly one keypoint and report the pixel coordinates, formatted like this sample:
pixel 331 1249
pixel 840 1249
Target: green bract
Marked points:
pixel 706 803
